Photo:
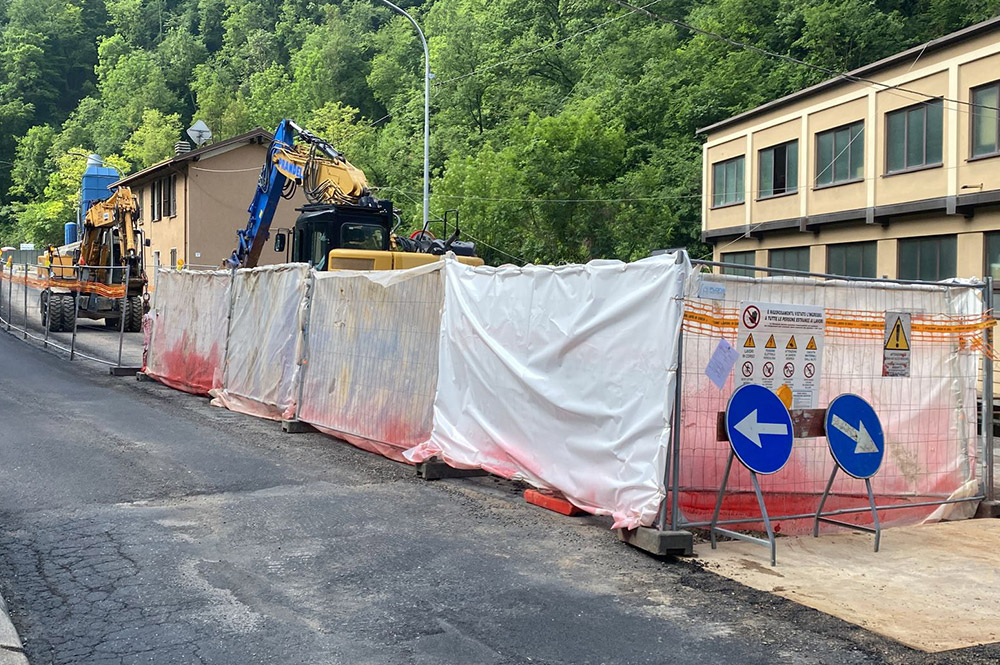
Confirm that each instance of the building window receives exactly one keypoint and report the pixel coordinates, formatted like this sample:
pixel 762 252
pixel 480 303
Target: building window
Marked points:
pixel 138 206
pixel 993 256
pixel 739 258
pixel 168 185
pixel 156 258
pixel 840 155
pixel 727 182
pixel 793 258
pixel 173 257
pixel 852 259
pixel 931 259
pixel 913 137
pixel 154 201
pixel 986 120
pixel 779 170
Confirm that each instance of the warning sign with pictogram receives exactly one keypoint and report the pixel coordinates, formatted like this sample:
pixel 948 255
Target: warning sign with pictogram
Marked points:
pixel 782 360
pixel 896 344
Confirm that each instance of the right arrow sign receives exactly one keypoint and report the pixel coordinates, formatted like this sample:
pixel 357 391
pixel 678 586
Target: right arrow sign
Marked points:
pixel 855 436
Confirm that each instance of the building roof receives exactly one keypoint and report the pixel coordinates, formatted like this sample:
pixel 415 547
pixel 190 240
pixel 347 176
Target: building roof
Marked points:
pixel 258 135
pixel 862 72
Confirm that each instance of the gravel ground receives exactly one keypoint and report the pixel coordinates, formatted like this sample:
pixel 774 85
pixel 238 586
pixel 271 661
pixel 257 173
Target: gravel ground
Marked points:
pixel 141 525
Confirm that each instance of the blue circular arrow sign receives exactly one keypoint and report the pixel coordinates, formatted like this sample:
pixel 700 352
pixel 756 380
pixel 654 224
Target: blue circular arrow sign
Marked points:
pixel 759 428
pixel 855 436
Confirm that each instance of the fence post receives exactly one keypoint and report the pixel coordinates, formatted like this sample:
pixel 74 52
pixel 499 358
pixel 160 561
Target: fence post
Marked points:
pixel 303 360
pixel 78 278
pixel 987 411
pixel 47 310
pixel 121 321
pixel 10 295
pixel 25 300
pixel 229 325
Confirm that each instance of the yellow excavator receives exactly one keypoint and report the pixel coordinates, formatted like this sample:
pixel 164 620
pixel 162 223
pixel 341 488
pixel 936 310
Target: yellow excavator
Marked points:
pixel 343 226
pixel 111 237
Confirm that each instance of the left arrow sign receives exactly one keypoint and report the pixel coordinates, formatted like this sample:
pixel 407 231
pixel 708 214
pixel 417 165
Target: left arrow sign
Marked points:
pixel 752 429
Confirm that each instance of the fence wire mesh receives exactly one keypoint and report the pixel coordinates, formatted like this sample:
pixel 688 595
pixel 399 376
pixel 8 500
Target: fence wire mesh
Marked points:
pixel 933 449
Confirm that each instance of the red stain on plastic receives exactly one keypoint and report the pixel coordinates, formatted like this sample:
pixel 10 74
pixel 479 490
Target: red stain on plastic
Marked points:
pixel 182 369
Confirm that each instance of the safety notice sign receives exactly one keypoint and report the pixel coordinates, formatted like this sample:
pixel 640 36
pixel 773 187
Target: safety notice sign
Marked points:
pixel 896 344
pixel 782 345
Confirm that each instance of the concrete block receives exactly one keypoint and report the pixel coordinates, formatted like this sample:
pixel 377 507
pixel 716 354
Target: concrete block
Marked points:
pixel 124 371
pixel 988 509
pixel 142 376
pixel 435 469
pixel 659 543
pixel 296 427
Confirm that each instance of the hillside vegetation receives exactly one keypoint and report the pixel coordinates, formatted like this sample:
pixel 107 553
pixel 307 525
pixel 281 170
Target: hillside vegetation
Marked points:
pixel 563 130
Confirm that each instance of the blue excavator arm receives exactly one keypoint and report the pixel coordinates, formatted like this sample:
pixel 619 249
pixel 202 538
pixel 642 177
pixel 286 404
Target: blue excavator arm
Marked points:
pixel 270 185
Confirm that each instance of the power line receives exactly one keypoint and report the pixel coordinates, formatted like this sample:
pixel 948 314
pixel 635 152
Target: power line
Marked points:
pixel 540 200
pixel 788 58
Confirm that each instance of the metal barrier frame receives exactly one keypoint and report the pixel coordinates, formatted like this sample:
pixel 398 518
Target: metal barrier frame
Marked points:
pixel 45 339
pixel 672 466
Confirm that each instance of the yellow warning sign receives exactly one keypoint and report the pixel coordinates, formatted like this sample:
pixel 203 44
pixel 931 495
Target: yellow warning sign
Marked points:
pixel 811 346
pixel 770 343
pixel 896 341
pixel 749 343
pixel 791 343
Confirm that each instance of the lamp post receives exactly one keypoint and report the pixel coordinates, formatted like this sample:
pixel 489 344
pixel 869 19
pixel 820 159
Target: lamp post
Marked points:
pixel 427 110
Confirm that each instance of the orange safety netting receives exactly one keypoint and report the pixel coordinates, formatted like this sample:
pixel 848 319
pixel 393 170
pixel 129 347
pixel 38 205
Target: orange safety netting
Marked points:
pixel 114 291
pixel 966 331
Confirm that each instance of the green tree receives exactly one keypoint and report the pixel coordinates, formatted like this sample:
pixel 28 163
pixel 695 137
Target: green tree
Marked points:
pixel 153 140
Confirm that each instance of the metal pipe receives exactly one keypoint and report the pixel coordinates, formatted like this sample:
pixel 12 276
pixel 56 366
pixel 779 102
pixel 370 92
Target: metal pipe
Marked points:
pixel 10 296
pixel 842 511
pixel 987 411
pixel 427 109
pixel 25 300
pixel 304 359
pixel 675 435
pixel 76 311
pixel 121 328
pixel 821 275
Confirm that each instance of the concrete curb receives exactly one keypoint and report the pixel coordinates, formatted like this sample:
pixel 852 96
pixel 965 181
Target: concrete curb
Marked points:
pixel 11 649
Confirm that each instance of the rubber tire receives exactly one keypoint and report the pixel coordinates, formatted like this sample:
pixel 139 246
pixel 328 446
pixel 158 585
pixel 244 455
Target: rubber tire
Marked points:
pixel 52 312
pixel 67 304
pixel 133 314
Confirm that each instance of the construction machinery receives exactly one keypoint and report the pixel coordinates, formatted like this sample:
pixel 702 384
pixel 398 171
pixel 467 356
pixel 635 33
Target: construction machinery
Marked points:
pixel 107 257
pixel 343 226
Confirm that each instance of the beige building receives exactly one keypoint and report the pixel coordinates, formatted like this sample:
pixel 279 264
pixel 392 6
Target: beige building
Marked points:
pixel 895 176
pixel 192 204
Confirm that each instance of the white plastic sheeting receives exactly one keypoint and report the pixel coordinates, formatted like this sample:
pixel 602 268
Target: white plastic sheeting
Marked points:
pixel 265 340
pixel 373 356
pixel 562 377
pixel 188 339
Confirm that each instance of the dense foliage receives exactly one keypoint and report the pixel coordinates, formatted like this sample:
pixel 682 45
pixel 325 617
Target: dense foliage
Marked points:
pixel 563 130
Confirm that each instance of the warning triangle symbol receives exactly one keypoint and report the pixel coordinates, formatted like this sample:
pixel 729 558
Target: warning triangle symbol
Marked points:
pixel 791 343
pixel 811 346
pixel 770 343
pixel 897 338
pixel 749 343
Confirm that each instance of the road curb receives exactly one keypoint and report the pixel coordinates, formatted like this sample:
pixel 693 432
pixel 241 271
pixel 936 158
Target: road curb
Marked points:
pixel 11 649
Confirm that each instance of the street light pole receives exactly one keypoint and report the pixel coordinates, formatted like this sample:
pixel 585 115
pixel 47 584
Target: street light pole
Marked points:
pixel 427 111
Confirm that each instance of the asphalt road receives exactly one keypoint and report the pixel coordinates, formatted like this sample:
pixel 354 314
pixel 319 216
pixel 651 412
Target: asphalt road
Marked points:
pixel 92 338
pixel 141 525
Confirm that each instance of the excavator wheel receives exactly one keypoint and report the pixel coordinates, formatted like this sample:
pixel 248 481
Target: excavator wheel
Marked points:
pixel 51 312
pixel 133 314
pixel 67 306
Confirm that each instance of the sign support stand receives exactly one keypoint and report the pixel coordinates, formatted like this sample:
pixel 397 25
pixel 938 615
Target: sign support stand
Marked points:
pixel 713 529
pixel 820 517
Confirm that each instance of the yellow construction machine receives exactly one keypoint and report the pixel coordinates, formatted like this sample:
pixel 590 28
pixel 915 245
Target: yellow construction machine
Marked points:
pixel 106 262
pixel 343 227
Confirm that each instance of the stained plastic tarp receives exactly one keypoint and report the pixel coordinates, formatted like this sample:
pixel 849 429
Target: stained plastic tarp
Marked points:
pixel 189 329
pixel 929 418
pixel 562 377
pixel 265 338
pixel 373 357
